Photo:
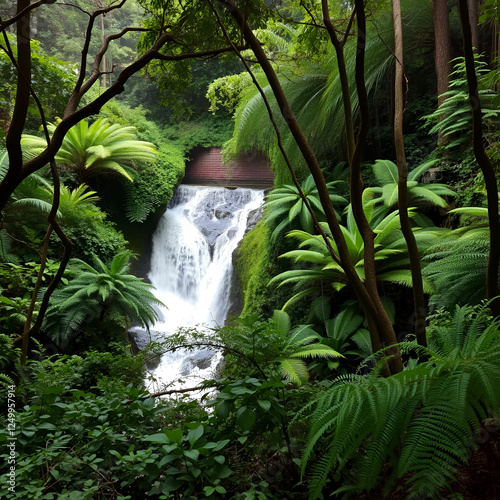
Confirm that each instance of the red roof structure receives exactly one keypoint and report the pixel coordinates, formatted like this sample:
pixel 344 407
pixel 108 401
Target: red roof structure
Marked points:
pixel 250 170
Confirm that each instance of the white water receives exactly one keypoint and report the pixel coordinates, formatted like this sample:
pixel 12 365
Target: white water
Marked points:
pixel 191 269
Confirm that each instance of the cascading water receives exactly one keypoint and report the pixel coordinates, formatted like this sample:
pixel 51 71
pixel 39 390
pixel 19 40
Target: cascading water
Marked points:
pixel 191 268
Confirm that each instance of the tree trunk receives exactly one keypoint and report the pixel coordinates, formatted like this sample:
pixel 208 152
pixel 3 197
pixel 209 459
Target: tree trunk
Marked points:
pixel 484 163
pixel 413 253
pixel 379 322
pixel 441 51
pixel 383 322
pixel 13 139
pixel 473 8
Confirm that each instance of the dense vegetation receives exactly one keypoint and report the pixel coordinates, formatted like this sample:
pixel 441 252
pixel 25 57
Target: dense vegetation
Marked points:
pixel 366 360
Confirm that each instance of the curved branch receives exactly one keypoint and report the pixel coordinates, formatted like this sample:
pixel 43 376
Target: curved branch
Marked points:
pixel 26 10
pixel 73 116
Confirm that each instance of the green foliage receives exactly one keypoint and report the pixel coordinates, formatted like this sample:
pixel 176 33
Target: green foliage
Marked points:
pixel 17 282
pixel 284 205
pixel 154 184
pixel 453 118
pixel 417 425
pixel 289 346
pixel 92 234
pixel 226 91
pixel 457 267
pixel 69 440
pixel 255 265
pixel 322 275
pixel 386 175
pixel 52 80
pixel 96 149
pixel 100 372
pixel 345 333
pixel 95 293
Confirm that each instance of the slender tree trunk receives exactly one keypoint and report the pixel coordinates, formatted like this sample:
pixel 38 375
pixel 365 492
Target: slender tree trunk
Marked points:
pixel 344 82
pixel 13 139
pixel 484 163
pixel 104 77
pixel 473 8
pixel 441 51
pixel 377 318
pixel 386 330
pixel 413 253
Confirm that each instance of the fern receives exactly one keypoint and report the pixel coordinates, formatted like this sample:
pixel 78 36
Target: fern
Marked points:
pixel 418 424
pixel 97 291
pixel 458 271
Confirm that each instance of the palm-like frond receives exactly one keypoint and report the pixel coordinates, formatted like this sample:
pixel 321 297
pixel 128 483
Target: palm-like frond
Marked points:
pixel 386 174
pixel 96 149
pixel 284 206
pixel 93 291
pixel 391 255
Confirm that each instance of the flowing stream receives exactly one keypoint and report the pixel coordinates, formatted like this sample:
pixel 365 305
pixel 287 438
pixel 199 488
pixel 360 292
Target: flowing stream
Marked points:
pixel 191 268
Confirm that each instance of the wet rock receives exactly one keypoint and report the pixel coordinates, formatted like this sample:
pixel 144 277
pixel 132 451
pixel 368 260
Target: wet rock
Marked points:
pixel 200 359
pixel 222 214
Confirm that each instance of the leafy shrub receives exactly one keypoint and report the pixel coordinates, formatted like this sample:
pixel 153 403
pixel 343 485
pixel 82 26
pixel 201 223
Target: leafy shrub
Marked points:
pixel 52 80
pixel 73 444
pixel 99 372
pixel 154 183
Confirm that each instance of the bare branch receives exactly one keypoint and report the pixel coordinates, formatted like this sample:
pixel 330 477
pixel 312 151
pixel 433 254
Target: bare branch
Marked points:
pixel 201 54
pixel 177 391
pixel 9 22
pixel 98 59
pixel 76 95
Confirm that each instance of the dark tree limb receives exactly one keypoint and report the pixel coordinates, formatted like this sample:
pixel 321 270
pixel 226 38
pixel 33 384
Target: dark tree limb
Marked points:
pixel 53 223
pixel 26 9
pixel 413 253
pixel 23 66
pixel 344 82
pixel 383 322
pixel 177 391
pixel 277 131
pixel 484 163
pixel 72 116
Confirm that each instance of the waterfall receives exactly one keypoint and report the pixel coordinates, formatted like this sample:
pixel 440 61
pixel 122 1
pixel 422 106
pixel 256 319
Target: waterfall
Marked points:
pixel 191 268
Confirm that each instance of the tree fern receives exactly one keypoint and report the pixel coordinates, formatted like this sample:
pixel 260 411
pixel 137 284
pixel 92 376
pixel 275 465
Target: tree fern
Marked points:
pixel 457 269
pixel 95 149
pixel 418 424
pixel 94 292
pixel 321 272
pixel 453 118
pixel 386 175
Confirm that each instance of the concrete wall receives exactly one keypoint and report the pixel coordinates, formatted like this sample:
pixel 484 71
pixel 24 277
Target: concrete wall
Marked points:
pixel 251 170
